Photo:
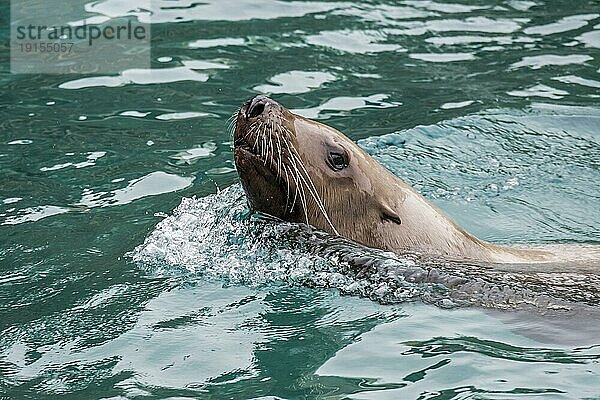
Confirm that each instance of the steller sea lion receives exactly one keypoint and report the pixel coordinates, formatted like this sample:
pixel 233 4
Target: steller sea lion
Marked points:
pixel 300 170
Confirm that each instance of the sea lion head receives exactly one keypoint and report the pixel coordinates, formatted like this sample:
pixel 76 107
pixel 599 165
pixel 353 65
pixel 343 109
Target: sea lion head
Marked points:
pixel 300 170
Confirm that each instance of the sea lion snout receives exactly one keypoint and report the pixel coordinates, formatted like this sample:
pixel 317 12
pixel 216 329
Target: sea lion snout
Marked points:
pixel 257 106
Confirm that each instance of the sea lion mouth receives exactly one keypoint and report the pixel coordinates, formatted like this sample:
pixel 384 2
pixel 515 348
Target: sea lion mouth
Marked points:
pixel 271 170
pixel 247 152
pixel 263 148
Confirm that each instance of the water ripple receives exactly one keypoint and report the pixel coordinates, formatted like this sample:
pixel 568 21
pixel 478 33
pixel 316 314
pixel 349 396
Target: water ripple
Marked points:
pixel 565 24
pixel 162 11
pixel 295 82
pixel 537 62
pixel 342 105
pixel 221 304
pixel 187 72
pixel 357 42
pixel 153 184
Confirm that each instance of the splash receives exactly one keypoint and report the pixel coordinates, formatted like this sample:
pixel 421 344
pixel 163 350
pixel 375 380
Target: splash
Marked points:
pixel 216 238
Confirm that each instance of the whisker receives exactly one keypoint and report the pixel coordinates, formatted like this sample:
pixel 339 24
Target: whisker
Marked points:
pixel 287 191
pixel 255 130
pixel 268 144
pixel 295 191
pixel 280 155
pixel 263 152
pixel 299 192
pixel 271 145
pixel 303 201
pixel 313 191
pixel 248 133
pixel 232 122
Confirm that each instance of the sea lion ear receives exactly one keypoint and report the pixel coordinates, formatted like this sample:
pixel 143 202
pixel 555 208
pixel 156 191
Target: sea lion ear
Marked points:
pixel 389 214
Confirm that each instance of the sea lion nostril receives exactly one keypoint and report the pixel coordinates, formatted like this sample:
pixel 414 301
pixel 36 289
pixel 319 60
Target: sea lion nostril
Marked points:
pixel 256 109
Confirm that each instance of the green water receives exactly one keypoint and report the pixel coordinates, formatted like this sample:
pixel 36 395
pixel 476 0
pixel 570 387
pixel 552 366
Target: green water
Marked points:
pixel 490 108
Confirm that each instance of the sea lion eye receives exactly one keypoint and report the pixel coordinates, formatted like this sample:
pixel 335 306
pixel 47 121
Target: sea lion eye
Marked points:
pixel 337 161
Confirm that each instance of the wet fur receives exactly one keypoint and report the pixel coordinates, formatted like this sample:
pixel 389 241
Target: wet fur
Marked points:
pixel 280 158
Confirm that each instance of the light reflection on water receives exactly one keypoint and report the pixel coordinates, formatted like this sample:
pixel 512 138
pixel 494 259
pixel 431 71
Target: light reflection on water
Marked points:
pixel 489 109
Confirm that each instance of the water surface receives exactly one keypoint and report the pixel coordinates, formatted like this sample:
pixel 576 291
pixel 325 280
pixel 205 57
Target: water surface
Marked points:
pixel 116 282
